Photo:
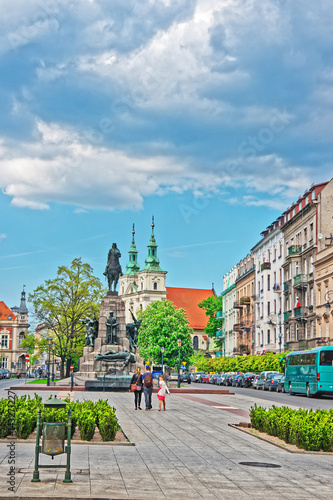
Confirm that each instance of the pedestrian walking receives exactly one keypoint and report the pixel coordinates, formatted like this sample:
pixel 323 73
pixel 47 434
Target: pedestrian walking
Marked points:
pixel 148 387
pixel 136 387
pixel 162 390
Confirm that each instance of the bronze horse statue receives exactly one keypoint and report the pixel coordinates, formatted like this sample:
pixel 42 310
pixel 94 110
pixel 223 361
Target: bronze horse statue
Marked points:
pixel 113 267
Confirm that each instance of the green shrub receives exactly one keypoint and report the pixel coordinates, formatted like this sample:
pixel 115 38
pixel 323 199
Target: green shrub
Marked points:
pixel 5 416
pixel 307 429
pixel 108 425
pixel 87 424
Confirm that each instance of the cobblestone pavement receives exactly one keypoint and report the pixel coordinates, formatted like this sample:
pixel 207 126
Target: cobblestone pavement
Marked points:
pixel 187 452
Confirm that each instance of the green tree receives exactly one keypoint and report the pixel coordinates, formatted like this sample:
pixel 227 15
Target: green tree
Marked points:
pixel 211 305
pixel 61 304
pixel 31 344
pixel 162 325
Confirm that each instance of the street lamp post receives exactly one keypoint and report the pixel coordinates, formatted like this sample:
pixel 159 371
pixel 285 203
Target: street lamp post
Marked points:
pixel 53 347
pixel 280 342
pixel 162 352
pixel 179 342
pixel 49 341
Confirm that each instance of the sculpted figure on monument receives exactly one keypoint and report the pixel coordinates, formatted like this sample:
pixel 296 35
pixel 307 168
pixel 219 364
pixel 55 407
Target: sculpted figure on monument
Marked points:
pixel 91 331
pixel 114 356
pixel 132 332
pixel 111 329
pixel 113 267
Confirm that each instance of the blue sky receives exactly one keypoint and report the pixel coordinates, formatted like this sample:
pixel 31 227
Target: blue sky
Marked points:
pixel 212 115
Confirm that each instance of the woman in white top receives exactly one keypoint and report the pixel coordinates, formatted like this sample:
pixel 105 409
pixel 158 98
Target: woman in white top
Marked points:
pixel 162 389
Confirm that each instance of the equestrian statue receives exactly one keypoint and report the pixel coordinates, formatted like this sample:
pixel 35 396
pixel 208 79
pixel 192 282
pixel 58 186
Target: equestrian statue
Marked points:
pixel 113 267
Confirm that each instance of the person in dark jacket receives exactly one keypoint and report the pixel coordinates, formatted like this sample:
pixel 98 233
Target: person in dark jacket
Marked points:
pixel 137 379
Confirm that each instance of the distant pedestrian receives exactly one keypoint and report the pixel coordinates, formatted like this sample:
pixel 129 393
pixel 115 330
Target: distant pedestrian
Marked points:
pixel 148 387
pixel 162 390
pixel 138 382
pixel 189 378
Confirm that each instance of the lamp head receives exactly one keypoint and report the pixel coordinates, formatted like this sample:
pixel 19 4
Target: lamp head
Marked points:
pixel 53 347
pixel 328 306
pixel 49 341
pixel 162 350
pixel 179 343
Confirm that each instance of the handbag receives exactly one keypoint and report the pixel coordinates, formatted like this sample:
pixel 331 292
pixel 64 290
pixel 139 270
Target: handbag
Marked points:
pixel 136 387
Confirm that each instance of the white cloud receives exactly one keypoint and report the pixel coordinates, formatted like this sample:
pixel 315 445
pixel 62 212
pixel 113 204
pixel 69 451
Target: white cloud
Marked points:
pixel 3 236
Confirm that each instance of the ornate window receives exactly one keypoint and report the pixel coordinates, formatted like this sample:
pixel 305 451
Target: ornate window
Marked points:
pixel 195 343
pixel 155 286
pixel 21 338
pixel 4 363
pixel 4 341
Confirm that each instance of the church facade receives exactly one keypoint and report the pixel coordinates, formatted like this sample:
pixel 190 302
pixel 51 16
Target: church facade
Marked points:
pixel 138 288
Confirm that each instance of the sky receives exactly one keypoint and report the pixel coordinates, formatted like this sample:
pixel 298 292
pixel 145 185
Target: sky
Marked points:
pixel 212 115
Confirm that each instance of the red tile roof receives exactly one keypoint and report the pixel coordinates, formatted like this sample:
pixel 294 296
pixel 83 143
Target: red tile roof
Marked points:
pixel 5 312
pixel 188 299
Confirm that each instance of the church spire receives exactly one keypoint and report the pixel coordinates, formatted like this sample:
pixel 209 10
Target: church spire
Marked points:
pixel 132 267
pixel 23 306
pixel 152 263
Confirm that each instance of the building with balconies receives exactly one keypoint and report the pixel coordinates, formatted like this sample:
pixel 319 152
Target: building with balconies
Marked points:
pixel 244 325
pixel 268 259
pixel 302 224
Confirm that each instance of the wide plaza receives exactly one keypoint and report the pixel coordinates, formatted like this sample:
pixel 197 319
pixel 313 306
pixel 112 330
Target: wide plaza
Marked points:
pixel 187 452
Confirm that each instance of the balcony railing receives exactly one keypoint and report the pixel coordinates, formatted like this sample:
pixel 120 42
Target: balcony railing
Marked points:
pixel 286 286
pixel 238 305
pixel 277 288
pixel 245 300
pixel 301 312
pixel 300 281
pixel 294 249
pixel 265 265
pixel 286 315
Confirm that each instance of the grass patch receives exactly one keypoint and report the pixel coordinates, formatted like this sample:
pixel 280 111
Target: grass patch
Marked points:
pixel 41 381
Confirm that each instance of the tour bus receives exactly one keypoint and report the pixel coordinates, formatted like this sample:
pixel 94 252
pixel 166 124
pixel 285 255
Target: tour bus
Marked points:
pixel 309 372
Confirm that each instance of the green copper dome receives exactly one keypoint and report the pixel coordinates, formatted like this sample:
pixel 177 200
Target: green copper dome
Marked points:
pixel 132 267
pixel 152 263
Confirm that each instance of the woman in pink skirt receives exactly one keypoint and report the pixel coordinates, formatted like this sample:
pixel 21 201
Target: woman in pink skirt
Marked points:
pixel 162 389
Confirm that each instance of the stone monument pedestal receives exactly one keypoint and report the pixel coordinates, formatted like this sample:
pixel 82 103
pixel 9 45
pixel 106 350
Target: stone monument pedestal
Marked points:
pixel 98 372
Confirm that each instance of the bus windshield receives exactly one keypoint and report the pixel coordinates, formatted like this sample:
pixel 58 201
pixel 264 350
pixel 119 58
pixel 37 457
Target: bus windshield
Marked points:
pixel 326 358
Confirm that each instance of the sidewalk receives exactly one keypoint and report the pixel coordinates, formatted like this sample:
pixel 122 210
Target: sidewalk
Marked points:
pixel 187 452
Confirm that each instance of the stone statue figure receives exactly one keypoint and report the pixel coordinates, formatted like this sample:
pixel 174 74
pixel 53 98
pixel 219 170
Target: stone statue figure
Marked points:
pixel 114 356
pixel 132 332
pixel 111 329
pixel 91 331
pixel 113 268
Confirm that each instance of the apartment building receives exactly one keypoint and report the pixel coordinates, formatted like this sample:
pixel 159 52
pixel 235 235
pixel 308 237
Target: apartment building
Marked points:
pixel 245 305
pixel 268 301
pixel 229 313
pixel 302 224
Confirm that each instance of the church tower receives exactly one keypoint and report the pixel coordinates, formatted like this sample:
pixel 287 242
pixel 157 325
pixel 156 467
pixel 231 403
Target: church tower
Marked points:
pixel 139 288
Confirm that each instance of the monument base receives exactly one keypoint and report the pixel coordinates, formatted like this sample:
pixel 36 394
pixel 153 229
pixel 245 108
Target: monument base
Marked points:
pixel 119 382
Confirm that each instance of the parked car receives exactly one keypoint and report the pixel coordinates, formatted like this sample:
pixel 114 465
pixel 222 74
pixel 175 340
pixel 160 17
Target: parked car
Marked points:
pixel 183 377
pixel 7 374
pixel 2 373
pixel 248 379
pixel 195 376
pixel 204 378
pixel 255 381
pixel 173 376
pixel 226 378
pixel 230 379
pixel 262 379
pixel 237 380
pixel 271 381
pixel 280 385
pixel 219 379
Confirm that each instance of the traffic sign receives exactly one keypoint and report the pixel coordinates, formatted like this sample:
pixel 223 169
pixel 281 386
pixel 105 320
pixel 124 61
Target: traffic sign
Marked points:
pixel 27 357
pixel 72 367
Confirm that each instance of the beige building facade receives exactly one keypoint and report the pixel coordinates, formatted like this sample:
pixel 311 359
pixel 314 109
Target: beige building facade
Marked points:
pixel 245 305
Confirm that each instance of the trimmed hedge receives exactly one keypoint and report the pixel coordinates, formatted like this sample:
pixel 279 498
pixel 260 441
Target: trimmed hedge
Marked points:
pixel 307 429
pixel 86 415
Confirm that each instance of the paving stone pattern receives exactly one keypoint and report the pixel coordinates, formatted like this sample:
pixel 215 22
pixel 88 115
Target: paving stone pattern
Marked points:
pixel 187 452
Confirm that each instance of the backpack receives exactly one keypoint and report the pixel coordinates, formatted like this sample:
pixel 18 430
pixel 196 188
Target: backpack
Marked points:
pixel 148 380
